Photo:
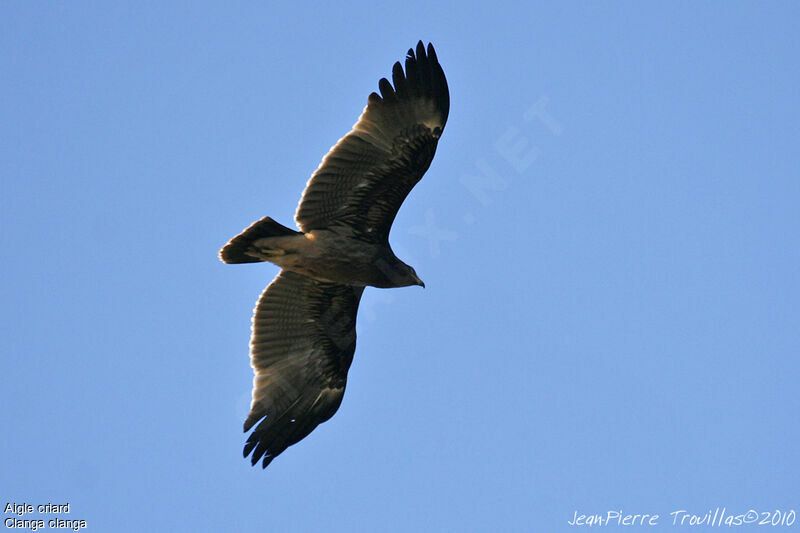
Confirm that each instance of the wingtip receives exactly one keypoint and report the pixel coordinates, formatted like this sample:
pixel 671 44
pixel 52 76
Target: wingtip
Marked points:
pixel 420 49
pixel 248 447
pixel 387 92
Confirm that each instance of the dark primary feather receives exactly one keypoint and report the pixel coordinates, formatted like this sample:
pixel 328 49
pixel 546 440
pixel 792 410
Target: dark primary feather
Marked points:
pixel 302 345
pixel 362 181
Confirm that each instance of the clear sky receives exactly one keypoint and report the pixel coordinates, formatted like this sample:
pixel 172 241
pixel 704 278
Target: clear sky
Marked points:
pixel 608 234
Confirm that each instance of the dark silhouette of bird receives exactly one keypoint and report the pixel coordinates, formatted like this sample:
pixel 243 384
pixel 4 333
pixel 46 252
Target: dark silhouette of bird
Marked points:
pixel 304 334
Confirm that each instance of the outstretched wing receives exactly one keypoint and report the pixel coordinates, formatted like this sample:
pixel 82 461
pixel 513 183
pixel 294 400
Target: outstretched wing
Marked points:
pixel 362 181
pixel 303 341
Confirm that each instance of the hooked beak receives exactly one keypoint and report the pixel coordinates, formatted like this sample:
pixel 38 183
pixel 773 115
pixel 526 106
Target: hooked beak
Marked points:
pixel 419 282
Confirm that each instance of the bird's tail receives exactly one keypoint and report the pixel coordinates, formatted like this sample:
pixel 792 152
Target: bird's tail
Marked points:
pixel 244 248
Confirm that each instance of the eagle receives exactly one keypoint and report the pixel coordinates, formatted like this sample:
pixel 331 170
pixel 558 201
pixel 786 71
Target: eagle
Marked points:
pixel 304 324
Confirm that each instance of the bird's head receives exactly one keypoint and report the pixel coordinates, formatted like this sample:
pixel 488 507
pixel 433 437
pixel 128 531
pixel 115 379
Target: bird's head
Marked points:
pixel 398 274
pixel 405 276
pixel 414 278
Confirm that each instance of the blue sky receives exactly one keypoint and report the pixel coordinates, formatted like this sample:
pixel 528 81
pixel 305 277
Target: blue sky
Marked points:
pixel 608 236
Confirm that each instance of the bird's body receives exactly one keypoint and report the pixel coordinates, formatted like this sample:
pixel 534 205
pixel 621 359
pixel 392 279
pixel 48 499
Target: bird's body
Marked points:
pixel 328 255
pixel 304 323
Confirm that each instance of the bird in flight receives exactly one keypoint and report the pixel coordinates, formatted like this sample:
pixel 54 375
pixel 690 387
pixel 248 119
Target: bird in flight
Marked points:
pixel 303 335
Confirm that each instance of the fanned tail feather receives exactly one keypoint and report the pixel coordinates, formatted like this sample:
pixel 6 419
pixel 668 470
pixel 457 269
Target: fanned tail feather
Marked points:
pixel 242 249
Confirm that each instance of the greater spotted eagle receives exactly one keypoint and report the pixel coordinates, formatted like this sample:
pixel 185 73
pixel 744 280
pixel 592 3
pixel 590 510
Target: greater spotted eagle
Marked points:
pixel 304 335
